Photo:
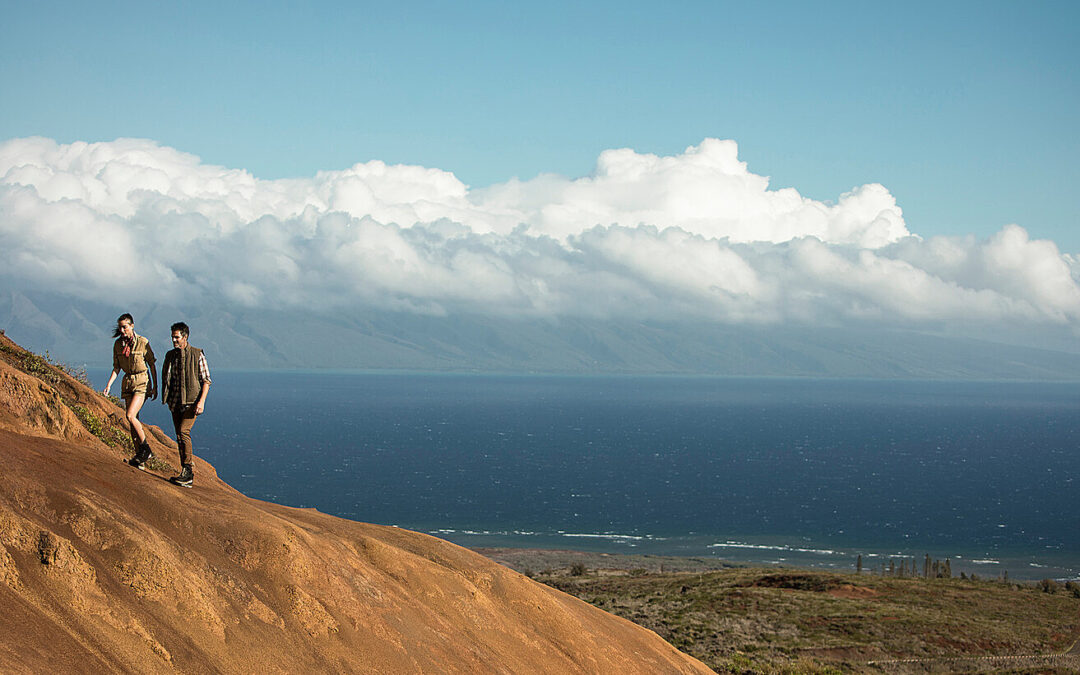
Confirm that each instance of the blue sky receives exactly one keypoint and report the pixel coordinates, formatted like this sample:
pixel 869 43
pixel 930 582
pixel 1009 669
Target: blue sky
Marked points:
pixel 965 111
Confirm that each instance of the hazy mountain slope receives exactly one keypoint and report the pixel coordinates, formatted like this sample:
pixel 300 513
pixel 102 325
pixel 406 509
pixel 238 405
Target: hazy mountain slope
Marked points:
pixel 79 333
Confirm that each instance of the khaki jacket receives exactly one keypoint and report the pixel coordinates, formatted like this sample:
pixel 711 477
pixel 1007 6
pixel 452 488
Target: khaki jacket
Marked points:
pixel 136 366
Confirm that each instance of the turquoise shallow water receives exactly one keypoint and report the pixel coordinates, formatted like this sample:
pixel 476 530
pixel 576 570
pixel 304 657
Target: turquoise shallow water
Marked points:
pixel 784 471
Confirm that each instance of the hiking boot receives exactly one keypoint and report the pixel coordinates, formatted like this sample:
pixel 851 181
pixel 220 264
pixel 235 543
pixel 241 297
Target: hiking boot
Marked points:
pixel 186 477
pixel 142 456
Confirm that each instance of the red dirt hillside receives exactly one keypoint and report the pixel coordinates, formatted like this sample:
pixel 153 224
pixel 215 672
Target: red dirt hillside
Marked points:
pixel 104 568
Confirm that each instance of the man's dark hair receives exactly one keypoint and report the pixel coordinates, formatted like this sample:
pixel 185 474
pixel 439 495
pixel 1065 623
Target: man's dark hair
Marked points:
pixel 180 326
pixel 123 317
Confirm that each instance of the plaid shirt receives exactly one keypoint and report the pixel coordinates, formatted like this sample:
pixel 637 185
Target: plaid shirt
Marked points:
pixel 172 380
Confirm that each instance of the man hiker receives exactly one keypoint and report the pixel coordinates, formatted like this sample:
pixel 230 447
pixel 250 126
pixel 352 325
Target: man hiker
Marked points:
pixel 185 382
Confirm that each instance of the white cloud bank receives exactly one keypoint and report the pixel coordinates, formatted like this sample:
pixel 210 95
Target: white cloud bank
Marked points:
pixel 692 236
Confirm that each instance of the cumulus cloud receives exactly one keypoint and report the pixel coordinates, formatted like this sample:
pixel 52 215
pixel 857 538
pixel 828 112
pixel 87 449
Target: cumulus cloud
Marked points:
pixel 706 190
pixel 691 236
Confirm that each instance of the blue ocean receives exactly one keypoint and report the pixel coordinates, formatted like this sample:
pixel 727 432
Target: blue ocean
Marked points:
pixel 771 471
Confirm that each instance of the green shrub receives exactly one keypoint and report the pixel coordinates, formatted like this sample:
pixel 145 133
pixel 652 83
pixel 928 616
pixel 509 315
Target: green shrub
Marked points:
pixel 1048 586
pixel 32 364
pixel 108 433
pixel 158 464
pixel 88 419
pixel 44 367
pixel 740 663
pixel 76 373
pixel 1073 587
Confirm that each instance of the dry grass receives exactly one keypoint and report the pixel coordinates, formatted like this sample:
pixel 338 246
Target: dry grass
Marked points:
pixel 770 621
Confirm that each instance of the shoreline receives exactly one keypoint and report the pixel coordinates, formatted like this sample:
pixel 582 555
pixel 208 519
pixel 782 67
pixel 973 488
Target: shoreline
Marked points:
pixel 539 558
pixel 531 561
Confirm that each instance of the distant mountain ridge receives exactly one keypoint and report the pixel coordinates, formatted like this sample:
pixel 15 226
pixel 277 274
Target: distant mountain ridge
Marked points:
pixel 78 332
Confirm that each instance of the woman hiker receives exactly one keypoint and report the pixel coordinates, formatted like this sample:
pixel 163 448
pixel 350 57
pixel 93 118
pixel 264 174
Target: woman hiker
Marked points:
pixel 133 355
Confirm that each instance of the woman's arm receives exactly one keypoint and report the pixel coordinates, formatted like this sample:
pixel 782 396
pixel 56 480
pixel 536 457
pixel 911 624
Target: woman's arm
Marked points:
pixel 115 367
pixel 112 378
pixel 151 365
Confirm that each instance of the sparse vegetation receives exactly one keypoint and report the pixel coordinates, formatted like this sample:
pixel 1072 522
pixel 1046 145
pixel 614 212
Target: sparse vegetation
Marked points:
pixel 32 364
pixel 77 373
pixel 43 366
pixel 158 464
pixel 108 433
pixel 805 621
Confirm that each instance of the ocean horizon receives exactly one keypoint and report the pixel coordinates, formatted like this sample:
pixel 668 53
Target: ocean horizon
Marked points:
pixel 773 471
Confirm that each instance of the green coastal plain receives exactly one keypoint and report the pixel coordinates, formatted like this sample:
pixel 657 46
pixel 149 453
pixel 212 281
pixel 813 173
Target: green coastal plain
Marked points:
pixel 774 620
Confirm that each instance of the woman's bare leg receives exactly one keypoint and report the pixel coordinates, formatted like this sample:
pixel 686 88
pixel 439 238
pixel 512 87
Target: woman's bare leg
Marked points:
pixel 134 405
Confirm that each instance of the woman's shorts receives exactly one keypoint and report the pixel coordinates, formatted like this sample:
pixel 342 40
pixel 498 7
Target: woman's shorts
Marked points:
pixel 135 383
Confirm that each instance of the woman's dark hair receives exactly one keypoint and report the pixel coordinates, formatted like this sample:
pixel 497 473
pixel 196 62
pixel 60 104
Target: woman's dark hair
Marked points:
pixel 123 317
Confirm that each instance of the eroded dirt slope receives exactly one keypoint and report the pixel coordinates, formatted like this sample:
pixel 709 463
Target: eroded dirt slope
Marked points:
pixel 104 568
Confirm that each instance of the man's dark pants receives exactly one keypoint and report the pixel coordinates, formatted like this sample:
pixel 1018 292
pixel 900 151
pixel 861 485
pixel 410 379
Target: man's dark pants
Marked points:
pixel 183 420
